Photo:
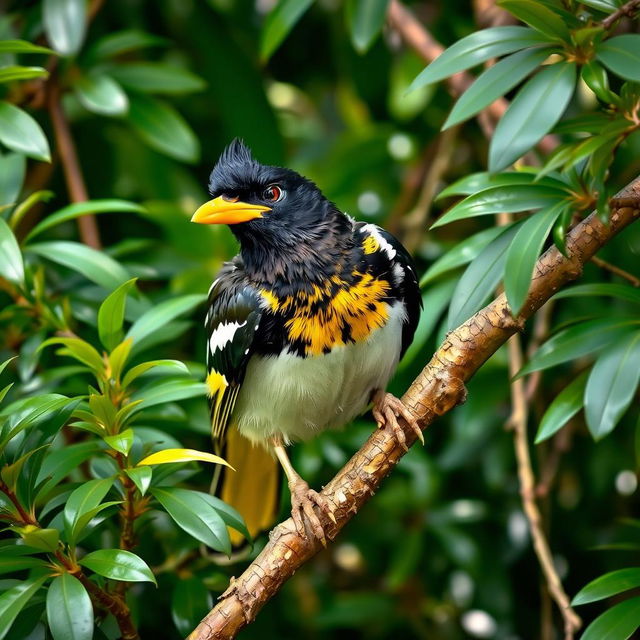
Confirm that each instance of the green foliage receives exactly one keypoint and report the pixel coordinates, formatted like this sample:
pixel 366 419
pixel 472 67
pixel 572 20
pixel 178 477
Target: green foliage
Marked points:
pixel 103 419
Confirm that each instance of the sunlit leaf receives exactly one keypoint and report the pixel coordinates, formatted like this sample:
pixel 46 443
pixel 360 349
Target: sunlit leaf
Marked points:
pixel 17 72
pixel 118 564
pixel 20 132
pixel 121 442
pixel 181 455
pixel 608 585
pixel 22 46
pixel 141 477
pixel 111 315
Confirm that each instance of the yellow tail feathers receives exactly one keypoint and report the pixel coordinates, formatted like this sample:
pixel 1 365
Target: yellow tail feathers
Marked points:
pixel 253 488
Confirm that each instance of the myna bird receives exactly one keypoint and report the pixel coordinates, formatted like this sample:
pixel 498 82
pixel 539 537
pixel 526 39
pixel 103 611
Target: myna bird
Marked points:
pixel 305 327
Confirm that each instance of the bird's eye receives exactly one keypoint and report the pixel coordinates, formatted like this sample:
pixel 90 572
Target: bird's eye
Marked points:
pixel 273 193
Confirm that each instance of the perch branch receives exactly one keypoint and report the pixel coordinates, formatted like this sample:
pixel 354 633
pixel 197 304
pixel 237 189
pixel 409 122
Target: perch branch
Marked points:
pixel 607 266
pixel 627 9
pixel 438 388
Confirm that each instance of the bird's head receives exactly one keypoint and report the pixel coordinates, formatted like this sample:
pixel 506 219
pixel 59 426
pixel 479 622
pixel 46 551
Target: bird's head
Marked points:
pixel 261 203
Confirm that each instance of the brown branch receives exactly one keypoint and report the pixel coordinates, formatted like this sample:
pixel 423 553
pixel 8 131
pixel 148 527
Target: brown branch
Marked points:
pixel 627 9
pixel 70 164
pixel 603 264
pixel 25 517
pixel 416 36
pixel 518 423
pixel 438 389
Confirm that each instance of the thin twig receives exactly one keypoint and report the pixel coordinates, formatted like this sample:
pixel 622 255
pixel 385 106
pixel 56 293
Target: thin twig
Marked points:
pixel 25 516
pixel 603 264
pixel 438 388
pixel 87 225
pixel 627 9
pixel 527 480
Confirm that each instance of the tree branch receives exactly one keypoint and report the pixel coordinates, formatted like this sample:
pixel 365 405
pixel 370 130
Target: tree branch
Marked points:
pixel 438 389
pixel 627 9
pixel 607 266
pixel 70 164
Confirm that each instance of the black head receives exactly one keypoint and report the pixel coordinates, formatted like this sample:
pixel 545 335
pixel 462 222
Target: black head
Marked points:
pixel 269 209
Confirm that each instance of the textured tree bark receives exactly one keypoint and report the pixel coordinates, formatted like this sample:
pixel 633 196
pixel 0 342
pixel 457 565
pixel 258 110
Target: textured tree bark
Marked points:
pixel 438 388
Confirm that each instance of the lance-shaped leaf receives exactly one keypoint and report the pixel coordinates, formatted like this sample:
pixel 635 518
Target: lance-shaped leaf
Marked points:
pixel 181 455
pixel 118 564
pixel 80 350
pixel 12 172
pixel 22 46
pixel 495 82
pixel 279 23
pixel 13 600
pixel 121 42
pixel 617 623
pixel 18 72
pixel 101 94
pixel 141 477
pixel 168 391
pixel 532 114
pixel 121 442
pixel 505 199
pixel 95 265
pixel 622 291
pixel 111 315
pixel 81 501
pixel 477 48
pixel 175 366
pixel 541 17
pixel 21 133
pixel 524 251
pixel 11 265
pixel 366 18
pixel 612 384
pixel 621 54
pixel 69 609
pixel 564 406
pixel 157 77
pixel 65 23
pixel 608 585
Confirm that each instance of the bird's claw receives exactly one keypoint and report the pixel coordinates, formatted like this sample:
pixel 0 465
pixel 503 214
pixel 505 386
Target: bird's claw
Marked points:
pixel 386 411
pixel 303 499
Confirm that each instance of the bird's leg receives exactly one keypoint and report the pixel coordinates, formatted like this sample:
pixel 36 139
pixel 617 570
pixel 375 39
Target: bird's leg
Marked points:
pixel 386 411
pixel 303 499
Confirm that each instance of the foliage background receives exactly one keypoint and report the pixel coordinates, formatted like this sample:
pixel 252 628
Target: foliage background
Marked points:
pixel 443 551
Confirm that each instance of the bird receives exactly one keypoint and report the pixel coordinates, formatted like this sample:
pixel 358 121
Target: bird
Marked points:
pixel 305 327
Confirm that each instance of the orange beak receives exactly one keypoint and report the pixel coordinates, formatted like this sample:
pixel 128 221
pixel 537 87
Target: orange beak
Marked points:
pixel 221 211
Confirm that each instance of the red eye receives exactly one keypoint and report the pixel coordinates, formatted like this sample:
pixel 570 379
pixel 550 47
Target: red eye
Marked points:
pixel 272 193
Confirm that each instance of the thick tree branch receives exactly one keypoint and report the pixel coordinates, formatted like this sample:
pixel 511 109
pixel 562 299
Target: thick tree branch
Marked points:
pixel 438 389
pixel 627 9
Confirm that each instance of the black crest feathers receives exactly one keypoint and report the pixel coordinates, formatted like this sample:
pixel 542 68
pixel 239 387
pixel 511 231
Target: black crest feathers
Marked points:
pixel 235 167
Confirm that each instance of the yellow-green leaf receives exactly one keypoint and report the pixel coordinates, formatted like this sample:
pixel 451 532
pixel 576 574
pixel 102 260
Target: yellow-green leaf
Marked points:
pixel 182 455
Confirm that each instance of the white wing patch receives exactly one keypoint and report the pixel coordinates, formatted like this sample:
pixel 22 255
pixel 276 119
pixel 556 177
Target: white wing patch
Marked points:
pixel 398 273
pixel 223 334
pixel 373 231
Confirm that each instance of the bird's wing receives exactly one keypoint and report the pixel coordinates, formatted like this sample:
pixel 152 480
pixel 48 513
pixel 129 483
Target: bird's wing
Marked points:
pixel 232 319
pixel 404 278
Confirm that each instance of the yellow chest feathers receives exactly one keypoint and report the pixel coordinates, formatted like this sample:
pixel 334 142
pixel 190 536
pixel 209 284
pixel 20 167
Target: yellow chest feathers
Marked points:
pixel 334 313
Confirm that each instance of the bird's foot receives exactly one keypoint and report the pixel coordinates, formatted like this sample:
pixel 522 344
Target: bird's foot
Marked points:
pixel 386 411
pixel 303 501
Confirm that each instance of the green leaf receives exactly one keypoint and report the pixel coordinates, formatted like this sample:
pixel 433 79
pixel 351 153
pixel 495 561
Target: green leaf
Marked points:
pixel 279 23
pixel 22 46
pixel 190 602
pixel 161 314
pixel 603 5
pixel 12 172
pixel 532 114
pixel 42 539
pixel 506 199
pixel 17 72
pixel 28 203
pixel 78 209
pixel 230 516
pixel 479 281
pixel 121 442
pixel 118 564
pixel 101 94
pixel 617 623
pixel 163 128
pixel 578 341
pixel 121 42
pixel 524 251
pixel 621 54
pixel 80 350
pixel 564 406
pixel 13 600
pixel 538 16
pixel 11 265
pixel 10 564
pixel 622 291
pixel 463 253
pixel 612 385
pixel 69 609
pixel 157 77
pixel 608 585
pixel 111 315
pixel 475 49
pixel 81 501
pixel 169 391
pixel 118 358
pixel 141 477
pixel 95 265
pixel 195 515
pixel 595 77
pixel 20 132
pixel 140 369
pixel 65 23
pixel 366 21
pixel 495 82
